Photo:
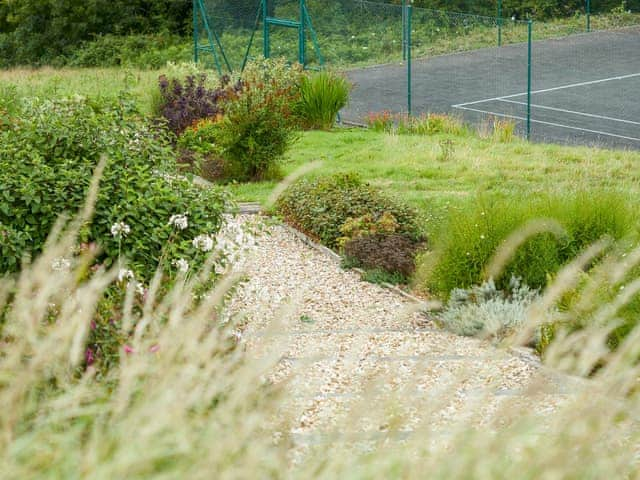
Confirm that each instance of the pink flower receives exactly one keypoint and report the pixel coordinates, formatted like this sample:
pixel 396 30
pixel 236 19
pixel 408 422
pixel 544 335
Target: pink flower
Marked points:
pixel 128 349
pixel 154 348
pixel 89 357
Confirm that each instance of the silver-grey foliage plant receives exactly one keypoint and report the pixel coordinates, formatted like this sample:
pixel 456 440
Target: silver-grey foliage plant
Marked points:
pixel 486 311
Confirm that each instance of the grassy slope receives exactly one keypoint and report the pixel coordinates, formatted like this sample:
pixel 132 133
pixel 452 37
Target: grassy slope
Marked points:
pixel 411 167
pixel 408 166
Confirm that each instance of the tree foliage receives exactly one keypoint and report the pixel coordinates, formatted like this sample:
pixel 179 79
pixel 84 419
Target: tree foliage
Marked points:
pixel 39 31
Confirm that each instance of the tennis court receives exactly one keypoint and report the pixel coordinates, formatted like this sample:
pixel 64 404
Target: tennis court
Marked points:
pixel 585 88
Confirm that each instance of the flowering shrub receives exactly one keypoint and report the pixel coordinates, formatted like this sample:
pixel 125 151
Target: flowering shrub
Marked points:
pixel 145 213
pixel 260 124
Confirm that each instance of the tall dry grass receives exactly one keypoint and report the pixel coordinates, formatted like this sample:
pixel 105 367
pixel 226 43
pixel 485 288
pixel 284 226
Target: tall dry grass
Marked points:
pixel 189 403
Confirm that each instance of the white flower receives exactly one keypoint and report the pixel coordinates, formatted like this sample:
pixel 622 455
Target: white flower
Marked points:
pixel 125 274
pixel 179 221
pixel 203 242
pixel 120 229
pixel 61 264
pixel 181 264
pixel 140 289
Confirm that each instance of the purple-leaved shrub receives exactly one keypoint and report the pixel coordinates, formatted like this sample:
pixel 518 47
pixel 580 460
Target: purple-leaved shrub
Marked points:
pixel 183 103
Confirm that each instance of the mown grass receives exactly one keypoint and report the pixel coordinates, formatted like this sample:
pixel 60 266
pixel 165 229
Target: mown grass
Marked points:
pixel 411 167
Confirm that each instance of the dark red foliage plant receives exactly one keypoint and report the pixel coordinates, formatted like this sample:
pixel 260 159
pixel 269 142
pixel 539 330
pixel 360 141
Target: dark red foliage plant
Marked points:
pixel 183 103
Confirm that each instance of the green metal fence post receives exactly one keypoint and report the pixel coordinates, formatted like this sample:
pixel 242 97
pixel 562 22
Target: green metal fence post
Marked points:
pixel 302 36
pixel 212 38
pixel 499 23
pixel 196 33
pixel 404 30
pixel 588 9
pixel 409 80
pixel 314 37
pixel 529 71
pixel 266 47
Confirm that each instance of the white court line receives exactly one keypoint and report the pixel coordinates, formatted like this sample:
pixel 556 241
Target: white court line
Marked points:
pixel 559 125
pixel 573 85
pixel 591 115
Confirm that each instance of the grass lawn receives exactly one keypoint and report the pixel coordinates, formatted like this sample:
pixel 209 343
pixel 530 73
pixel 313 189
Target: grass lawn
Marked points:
pixel 413 167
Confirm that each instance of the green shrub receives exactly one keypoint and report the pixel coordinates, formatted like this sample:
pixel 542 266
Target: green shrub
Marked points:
pixel 9 103
pixel 47 160
pixel 236 132
pixel 259 124
pixel 197 148
pixel 321 207
pixel 140 51
pixel 322 96
pixel 471 236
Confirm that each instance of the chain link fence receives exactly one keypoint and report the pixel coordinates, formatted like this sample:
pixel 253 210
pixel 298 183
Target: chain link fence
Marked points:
pixel 554 81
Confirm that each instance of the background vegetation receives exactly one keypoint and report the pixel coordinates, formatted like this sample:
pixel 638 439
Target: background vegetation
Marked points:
pixel 148 33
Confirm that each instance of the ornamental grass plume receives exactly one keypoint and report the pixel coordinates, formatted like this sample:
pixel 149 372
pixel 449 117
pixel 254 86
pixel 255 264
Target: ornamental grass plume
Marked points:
pixel 185 402
pixel 188 400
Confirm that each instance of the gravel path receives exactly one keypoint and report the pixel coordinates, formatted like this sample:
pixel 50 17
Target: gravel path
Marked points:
pixel 347 346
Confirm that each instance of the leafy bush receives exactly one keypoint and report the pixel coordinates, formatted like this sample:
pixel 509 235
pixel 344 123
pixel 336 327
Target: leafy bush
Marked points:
pixel 486 311
pixel 472 235
pixel 321 207
pixel 259 124
pixel 140 51
pixel 375 244
pixel 322 96
pixel 239 132
pixel 392 253
pixel 47 159
pixel 197 148
pixel 9 104
pixel 183 103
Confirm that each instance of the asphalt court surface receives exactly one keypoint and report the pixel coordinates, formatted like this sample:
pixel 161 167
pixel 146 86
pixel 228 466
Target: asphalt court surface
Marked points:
pixel 585 88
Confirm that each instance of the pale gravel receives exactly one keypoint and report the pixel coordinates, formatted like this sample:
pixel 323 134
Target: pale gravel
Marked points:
pixel 346 346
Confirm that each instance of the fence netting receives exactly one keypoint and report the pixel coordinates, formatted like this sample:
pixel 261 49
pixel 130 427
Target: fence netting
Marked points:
pixel 458 67
pixel 227 28
pixel 366 40
pixel 567 80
